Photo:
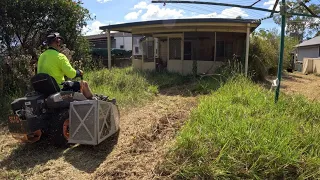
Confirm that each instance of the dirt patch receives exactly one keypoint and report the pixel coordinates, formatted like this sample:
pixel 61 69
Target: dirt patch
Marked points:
pixel 306 85
pixel 145 135
pixel 149 134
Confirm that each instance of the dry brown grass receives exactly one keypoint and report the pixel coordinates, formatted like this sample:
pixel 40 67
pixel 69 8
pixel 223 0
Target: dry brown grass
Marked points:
pixel 145 135
pixel 306 85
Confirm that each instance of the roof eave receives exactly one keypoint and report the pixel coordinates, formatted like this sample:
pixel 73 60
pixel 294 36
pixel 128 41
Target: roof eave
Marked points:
pixel 119 27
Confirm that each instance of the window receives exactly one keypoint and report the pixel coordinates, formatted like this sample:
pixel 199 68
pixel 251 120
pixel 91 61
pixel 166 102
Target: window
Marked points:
pixel 175 49
pixel 199 46
pixel 220 48
pixel 187 50
pixel 229 49
pixel 121 46
pixel 148 50
pixel 136 50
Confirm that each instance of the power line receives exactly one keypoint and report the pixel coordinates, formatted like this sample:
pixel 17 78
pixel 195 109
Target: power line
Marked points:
pixel 213 3
pixel 255 3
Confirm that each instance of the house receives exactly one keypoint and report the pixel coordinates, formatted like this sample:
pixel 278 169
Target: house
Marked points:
pixel 307 56
pixel 308 49
pixel 179 45
pixel 119 40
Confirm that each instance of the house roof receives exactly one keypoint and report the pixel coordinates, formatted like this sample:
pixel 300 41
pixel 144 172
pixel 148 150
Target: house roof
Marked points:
pixel 96 36
pixel 103 36
pixel 169 25
pixel 310 42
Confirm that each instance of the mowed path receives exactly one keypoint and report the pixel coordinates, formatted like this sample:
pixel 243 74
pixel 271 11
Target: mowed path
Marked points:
pixel 145 136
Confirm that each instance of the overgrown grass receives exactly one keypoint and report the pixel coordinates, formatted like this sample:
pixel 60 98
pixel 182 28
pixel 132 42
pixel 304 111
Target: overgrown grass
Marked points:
pixel 132 87
pixel 238 132
pixel 126 85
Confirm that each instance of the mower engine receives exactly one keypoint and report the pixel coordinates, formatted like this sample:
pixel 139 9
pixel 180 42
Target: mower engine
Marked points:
pixel 27 120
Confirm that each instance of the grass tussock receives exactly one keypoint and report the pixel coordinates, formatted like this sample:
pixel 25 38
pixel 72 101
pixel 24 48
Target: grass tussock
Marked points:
pixel 239 132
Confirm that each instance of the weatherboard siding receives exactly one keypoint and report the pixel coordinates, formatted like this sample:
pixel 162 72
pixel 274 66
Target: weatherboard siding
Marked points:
pixel 308 52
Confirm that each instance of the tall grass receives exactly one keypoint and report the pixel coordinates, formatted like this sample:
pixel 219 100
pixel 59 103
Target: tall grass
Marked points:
pixel 238 132
pixel 132 87
pixel 126 85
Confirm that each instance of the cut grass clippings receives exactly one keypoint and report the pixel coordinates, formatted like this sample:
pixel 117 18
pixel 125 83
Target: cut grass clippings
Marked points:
pixel 239 132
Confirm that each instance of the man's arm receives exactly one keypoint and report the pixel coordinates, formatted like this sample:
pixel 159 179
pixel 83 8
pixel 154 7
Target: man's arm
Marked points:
pixel 66 67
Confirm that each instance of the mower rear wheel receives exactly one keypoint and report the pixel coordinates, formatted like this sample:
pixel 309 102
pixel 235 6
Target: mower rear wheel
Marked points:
pixel 59 129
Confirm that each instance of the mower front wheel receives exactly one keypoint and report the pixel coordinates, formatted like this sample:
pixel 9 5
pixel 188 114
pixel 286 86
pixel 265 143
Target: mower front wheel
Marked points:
pixel 59 129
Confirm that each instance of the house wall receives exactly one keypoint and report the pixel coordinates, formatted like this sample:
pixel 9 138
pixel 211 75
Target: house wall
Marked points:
pixel 175 66
pixel 202 66
pixel 308 52
pixel 148 66
pixel 137 63
pixel 208 66
pixel 125 41
pixel 202 49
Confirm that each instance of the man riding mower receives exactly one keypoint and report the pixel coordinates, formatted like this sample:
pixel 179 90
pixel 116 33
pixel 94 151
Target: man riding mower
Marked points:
pixel 66 111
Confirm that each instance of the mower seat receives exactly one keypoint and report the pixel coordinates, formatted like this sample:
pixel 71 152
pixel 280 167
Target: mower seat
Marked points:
pixel 45 84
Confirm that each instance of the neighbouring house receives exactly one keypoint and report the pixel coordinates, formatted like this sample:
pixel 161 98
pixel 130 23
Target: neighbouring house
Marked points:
pixel 119 40
pixel 178 45
pixel 308 49
pixel 123 46
pixel 307 56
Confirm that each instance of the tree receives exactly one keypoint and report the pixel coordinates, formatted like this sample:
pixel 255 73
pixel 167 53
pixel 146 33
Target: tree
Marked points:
pixel 264 46
pixel 24 24
pixel 301 27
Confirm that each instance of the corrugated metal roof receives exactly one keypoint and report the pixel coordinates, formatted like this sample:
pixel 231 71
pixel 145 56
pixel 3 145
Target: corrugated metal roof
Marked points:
pixel 170 21
pixel 104 36
pixel 310 42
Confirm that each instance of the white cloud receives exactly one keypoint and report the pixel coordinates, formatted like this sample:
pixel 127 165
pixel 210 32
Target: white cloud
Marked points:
pixel 155 12
pixel 141 5
pixel 103 1
pixel 226 13
pixel 152 12
pixel 93 28
pixel 133 15
pixel 271 3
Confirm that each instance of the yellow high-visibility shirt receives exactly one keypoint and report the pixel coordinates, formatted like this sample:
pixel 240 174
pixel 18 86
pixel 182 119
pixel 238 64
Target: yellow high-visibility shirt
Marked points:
pixel 56 65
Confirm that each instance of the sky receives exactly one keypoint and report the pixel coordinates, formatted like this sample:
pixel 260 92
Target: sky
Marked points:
pixel 121 11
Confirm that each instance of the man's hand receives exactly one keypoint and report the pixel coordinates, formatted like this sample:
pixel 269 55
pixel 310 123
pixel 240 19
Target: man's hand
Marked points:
pixel 79 73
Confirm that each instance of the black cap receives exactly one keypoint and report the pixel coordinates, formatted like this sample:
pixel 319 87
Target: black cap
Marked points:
pixel 53 36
